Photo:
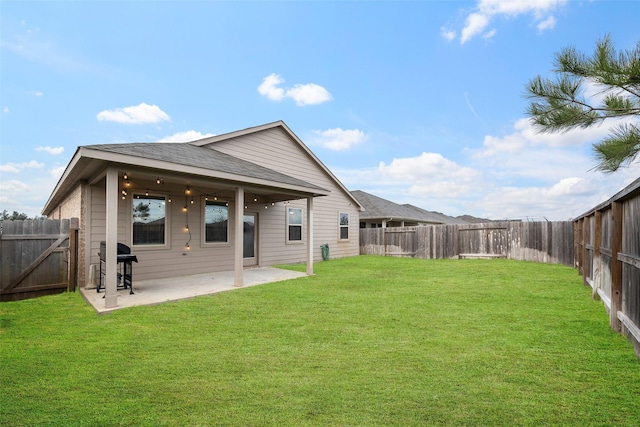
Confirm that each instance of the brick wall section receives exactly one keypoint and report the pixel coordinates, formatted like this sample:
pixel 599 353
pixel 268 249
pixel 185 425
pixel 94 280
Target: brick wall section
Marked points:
pixel 75 206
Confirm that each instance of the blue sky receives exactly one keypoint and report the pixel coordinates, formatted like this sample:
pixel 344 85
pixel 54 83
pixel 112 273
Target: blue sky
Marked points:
pixel 418 102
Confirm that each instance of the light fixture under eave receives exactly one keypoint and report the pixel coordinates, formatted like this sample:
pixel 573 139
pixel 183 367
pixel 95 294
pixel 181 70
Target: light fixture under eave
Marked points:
pixel 125 176
pixel 188 190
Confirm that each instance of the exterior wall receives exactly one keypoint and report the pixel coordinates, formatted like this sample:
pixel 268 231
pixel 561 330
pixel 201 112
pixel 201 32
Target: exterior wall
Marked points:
pixel 75 206
pixel 275 149
pixel 172 259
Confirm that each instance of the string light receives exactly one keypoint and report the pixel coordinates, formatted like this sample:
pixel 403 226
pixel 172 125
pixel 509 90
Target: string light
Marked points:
pixel 188 190
pixel 125 176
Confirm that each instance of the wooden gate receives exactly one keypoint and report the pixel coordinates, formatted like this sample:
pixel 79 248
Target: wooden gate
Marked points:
pixel 38 257
pixel 483 242
pixel 400 242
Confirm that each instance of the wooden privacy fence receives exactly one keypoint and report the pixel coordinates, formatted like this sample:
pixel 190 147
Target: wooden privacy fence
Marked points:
pixel 608 258
pixel 548 242
pixel 38 257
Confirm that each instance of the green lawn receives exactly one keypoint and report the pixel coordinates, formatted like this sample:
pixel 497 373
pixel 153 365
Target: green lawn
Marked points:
pixel 366 341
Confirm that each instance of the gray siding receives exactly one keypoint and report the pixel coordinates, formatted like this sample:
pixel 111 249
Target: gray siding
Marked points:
pixel 274 149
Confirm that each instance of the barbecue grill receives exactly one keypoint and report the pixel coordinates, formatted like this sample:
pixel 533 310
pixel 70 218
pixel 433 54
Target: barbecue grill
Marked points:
pixel 125 274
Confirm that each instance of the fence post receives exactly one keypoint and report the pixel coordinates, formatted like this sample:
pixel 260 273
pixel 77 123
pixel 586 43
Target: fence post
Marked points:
pixel 616 266
pixel 597 261
pixel 73 254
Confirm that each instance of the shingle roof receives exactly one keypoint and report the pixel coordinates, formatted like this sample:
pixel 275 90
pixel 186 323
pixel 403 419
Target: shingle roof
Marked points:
pixel 379 208
pixel 200 157
pixel 437 216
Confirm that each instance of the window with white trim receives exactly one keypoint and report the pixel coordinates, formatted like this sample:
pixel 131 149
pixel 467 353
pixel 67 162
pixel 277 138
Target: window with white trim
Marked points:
pixel 149 219
pixel 294 224
pixel 344 226
pixel 216 222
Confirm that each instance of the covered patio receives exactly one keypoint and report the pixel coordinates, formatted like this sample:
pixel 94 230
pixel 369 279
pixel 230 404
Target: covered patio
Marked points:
pixel 158 291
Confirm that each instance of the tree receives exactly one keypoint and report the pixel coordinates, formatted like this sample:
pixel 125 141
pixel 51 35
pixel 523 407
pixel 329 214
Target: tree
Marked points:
pixel 560 105
pixel 141 212
pixel 5 216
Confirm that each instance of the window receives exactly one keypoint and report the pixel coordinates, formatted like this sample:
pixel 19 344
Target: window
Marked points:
pixel 149 215
pixel 294 224
pixel 216 222
pixel 344 226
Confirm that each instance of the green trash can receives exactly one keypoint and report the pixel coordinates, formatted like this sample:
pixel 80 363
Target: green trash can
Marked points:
pixel 325 251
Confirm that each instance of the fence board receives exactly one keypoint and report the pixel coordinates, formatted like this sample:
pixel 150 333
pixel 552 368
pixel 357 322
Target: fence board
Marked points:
pixel 35 258
pixel 609 257
pixel 550 242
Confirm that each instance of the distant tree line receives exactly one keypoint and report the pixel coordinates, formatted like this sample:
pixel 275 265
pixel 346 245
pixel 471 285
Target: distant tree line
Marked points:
pixel 6 216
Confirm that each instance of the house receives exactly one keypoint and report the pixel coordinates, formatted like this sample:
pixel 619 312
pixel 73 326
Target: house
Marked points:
pixel 254 197
pixel 380 212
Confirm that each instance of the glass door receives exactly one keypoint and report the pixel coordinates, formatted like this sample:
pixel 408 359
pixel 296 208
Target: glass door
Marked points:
pixel 250 241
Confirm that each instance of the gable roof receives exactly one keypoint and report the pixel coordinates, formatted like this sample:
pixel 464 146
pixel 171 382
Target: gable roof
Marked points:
pixel 198 157
pixel 277 124
pixel 379 208
pixel 88 161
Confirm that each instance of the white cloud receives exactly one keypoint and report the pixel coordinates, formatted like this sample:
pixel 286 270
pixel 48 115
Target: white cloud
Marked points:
pixel 51 150
pixel 36 93
pixel 57 171
pixel 431 174
pixel 5 109
pixel 9 167
pixel 268 87
pixel 519 175
pixel 476 23
pixel 485 11
pixel 139 114
pixel 308 94
pixel 338 139
pixel 186 136
pixel 447 33
pixel 17 167
pixel 10 188
pixel 547 24
pixel 302 94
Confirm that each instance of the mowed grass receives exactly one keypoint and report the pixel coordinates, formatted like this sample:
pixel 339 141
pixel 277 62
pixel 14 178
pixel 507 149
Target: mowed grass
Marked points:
pixel 366 341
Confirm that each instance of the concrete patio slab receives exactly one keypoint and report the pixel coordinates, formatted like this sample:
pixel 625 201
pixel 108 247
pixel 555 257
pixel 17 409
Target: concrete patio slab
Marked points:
pixel 157 291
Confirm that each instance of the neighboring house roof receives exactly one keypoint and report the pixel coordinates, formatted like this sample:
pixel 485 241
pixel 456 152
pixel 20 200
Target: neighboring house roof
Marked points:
pixel 437 216
pixel 278 124
pixel 383 209
pixel 88 161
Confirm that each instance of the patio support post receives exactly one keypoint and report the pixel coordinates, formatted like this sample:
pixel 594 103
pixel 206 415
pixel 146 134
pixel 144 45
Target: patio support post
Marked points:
pixel 310 236
pixel 238 280
pixel 111 290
